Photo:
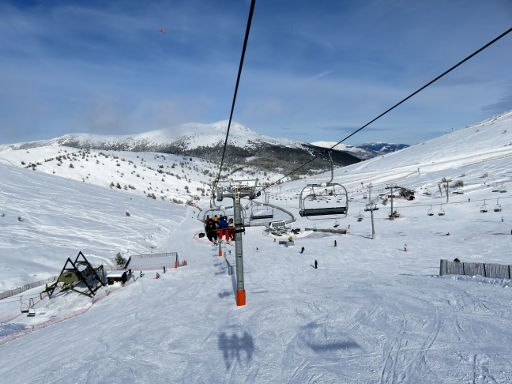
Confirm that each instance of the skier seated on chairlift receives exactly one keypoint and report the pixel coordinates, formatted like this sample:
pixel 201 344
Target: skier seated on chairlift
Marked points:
pixel 231 228
pixel 223 228
pixel 211 230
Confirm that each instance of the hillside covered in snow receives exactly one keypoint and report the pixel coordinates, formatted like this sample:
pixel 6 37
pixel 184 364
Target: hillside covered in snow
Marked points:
pixel 375 310
pixel 246 148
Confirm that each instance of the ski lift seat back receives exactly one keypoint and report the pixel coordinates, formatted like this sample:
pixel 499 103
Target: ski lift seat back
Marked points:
pixel 259 212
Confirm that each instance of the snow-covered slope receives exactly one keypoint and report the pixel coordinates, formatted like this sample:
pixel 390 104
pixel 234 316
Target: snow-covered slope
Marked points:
pixel 371 312
pixel 45 219
pixel 468 150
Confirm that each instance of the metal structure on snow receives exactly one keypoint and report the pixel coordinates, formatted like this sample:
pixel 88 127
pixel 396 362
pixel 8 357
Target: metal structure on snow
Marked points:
pixel 237 190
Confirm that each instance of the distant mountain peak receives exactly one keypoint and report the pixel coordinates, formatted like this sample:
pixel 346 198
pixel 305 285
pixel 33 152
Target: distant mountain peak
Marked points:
pixel 363 151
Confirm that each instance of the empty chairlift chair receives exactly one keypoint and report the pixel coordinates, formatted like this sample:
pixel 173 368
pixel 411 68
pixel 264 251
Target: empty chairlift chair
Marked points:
pixel 368 207
pixel 497 208
pixel 483 208
pixel 261 212
pixel 330 201
pixel 430 212
pixel 441 211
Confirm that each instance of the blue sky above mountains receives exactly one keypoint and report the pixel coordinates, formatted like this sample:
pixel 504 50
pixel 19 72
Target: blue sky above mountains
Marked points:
pixel 313 70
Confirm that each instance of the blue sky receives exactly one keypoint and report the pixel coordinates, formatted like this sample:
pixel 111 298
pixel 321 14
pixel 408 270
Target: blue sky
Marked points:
pixel 314 70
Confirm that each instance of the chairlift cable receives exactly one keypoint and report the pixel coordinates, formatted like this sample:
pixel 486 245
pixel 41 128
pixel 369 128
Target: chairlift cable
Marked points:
pixel 236 89
pixel 396 105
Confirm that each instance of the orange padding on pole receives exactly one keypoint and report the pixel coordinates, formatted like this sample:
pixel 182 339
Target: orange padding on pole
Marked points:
pixel 220 253
pixel 240 298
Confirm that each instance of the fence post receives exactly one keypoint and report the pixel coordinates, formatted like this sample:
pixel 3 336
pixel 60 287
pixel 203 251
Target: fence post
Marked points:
pixel 443 267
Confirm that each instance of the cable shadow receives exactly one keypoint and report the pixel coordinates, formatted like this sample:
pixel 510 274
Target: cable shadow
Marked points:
pixel 333 346
pixel 233 346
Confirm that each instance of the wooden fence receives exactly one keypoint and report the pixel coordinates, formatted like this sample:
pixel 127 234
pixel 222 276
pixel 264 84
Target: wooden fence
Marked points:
pixel 26 287
pixel 500 271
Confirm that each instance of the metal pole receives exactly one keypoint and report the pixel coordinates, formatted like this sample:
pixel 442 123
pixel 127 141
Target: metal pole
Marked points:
pixel 240 290
pixel 391 216
pixel 371 208
pixel 447 181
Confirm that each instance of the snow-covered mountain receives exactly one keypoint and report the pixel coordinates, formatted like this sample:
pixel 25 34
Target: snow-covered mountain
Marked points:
pixel 363 151
pixel 245 147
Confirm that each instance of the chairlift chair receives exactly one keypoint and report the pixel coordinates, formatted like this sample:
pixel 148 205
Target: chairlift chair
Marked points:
pixel 441 211
pixel 483 208
pixel 329 205
pixel 368 207
pixel 25 307
pixel 497 208
pixel 261 212
pixel 333 198
pixel 430 212
pixel 360 216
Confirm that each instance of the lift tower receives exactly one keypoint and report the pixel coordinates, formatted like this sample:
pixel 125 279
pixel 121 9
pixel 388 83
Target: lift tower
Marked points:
pixel 236 190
